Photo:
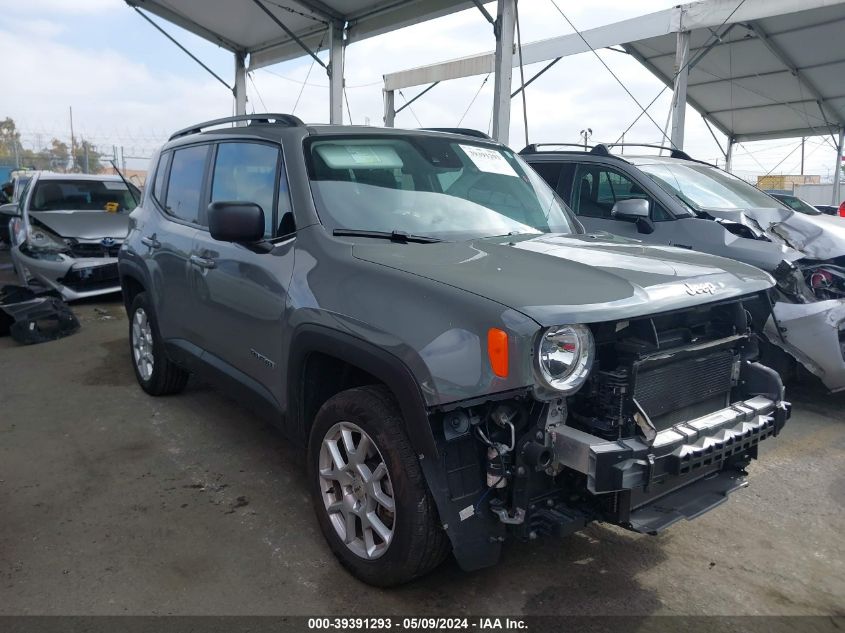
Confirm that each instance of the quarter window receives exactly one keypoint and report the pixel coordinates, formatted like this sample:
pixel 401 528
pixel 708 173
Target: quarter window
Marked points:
pixel 161 173
pixel 184 188
pixel 247 172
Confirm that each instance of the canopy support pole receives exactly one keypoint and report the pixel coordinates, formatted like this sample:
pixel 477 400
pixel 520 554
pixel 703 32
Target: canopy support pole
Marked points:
pixel 679 94
pixel 240 84
pixel 503 68
pixel 837 174
pixel 729 155
pixel 335 71
pixel 389 108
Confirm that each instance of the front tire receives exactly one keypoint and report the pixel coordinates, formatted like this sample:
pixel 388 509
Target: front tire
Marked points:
pixel 156 374
pixel 368 490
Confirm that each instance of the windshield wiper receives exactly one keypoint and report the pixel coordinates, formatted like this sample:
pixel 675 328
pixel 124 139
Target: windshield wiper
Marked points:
pixel 400 237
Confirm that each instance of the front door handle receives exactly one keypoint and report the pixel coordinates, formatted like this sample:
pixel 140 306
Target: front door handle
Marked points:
pixel 151 241
pixel 202 262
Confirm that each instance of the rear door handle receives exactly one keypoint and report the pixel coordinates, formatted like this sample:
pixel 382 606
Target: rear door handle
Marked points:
pixel 151 241
pixel 202 262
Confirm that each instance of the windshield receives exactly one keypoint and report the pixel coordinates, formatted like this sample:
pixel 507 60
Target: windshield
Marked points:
pixel 82 195
pixel 704 187
pixel 798 205
pixel 430 186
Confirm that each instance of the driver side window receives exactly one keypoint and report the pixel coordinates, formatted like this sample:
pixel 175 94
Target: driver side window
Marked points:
pixel 596 189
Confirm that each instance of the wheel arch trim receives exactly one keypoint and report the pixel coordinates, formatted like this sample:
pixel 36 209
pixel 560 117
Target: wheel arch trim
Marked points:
pixel 388 368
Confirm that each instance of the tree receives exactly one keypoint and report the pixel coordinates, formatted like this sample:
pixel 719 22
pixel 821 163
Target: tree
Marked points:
pixel 87 158
pixel 10 140
pixel 56 156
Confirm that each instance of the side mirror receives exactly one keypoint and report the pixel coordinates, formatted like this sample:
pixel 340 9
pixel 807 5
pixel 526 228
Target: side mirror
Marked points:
pixel 634 210
pixel 240 222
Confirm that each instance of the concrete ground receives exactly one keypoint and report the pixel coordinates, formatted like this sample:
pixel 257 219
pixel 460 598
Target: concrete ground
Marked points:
pixel 113 502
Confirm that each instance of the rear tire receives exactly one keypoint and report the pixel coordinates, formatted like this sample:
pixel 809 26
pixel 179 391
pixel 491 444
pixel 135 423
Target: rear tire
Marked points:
pixel 353 491
pixel 156 374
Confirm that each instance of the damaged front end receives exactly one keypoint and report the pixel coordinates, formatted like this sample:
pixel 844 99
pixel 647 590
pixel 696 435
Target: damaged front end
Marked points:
pixel 74 267
pixel 808 317
pixel 671 414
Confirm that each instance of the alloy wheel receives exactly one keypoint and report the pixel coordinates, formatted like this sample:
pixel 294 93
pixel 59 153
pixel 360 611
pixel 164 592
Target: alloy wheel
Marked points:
pixel 142 344
pixel 356 490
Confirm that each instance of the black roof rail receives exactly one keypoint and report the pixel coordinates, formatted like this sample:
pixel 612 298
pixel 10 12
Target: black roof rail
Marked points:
pixel 603 149
pixel 288 120
pixel 533 148
pixel 463 131
pixel 673 151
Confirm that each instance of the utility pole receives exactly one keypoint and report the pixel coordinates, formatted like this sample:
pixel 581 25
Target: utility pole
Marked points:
pixel 586 133
pixel 802 155
pixel 72 142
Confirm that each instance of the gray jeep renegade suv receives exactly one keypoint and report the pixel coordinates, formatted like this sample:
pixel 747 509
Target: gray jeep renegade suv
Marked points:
pixel 463 362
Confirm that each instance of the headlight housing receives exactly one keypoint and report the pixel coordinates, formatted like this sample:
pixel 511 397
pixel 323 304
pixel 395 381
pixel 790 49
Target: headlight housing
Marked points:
pixel 565 356
pixel 41 239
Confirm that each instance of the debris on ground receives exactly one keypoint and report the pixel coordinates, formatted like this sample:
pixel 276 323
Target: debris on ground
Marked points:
pixel 31 317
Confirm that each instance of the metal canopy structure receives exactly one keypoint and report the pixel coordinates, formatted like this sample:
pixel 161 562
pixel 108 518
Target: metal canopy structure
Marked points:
pixel 264 32
pixel 753 69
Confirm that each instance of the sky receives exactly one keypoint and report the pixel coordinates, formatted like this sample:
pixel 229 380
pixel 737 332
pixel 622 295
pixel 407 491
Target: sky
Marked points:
pixel 130 87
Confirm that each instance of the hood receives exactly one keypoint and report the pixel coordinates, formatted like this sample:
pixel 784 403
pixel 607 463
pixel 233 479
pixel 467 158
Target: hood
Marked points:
pixel 557 279
pixel 84 225
pixel 815 236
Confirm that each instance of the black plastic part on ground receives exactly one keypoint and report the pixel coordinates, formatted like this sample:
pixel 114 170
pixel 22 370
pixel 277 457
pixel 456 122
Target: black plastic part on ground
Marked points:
pixel 31 317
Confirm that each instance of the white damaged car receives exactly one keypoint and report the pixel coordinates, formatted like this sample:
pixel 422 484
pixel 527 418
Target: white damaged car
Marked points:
pixel 677 201
pixel 67 231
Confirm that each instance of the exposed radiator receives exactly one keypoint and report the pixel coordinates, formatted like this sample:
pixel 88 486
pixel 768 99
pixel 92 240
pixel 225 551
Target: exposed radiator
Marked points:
pixel 676 387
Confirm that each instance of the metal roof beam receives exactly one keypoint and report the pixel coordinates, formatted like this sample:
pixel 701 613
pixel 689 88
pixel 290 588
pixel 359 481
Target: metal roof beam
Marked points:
pixel 189 25
pixel 773 104
pixel 408 103
pixel 290 33
pixel 686 17
pixel 322 10
pixel 484 12
pixel 641 27
pixel 185 50
pixel 670 84
pixel 778 52
pixel 771 73
pixel 791 133
pixel 366 23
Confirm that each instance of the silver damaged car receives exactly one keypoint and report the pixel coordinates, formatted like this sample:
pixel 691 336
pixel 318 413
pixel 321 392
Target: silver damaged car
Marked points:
pixel 67 231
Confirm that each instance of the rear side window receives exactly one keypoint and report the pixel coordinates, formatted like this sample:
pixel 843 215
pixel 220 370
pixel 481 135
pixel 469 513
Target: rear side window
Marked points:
pixel 550 172
pixel 184 188
pixel 247 172
pixel 558 176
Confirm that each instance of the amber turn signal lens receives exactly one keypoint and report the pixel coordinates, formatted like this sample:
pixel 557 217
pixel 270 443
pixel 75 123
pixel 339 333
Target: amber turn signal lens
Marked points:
pixel 497 351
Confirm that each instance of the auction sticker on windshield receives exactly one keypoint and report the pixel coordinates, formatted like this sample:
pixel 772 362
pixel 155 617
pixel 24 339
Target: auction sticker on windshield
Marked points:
pixel 489 160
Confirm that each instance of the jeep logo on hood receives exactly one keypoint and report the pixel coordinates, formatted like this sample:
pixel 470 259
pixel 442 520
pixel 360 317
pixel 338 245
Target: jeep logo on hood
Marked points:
pixel 700 289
